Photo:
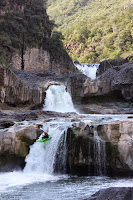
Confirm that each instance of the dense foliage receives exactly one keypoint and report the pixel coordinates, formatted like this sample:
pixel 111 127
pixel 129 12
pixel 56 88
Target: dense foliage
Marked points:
pixel 25 24
pixel 94 30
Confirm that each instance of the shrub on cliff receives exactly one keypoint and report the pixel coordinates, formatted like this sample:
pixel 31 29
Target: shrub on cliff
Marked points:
pixel 94 30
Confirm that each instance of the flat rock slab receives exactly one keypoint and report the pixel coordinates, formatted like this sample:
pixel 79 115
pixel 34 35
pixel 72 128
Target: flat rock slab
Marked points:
pixel 120 193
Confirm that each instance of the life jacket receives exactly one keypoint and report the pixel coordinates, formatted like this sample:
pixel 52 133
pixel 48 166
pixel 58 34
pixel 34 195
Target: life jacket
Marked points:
pixel 46 134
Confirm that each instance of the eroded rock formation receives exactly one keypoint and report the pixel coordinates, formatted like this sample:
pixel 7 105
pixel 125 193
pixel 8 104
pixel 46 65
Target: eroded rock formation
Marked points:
pixel 14 145
pixel 40 59
pixel 107 64
pixel 103 149
pixel 20 87
pixel 115 83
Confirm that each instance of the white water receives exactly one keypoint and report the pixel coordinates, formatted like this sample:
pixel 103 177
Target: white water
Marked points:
pixel 58 99
pixel 42 156
pixel 88 69
pixel 99 154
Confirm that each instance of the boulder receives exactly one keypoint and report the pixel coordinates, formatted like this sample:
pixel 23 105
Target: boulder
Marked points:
pixel 14 145
pixel 118 193
pixel 107 64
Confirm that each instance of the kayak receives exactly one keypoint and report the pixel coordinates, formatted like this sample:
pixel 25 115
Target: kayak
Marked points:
pixel 45 139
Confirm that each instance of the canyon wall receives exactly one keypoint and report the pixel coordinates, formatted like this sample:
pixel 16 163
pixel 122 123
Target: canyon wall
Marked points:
pixel 101 149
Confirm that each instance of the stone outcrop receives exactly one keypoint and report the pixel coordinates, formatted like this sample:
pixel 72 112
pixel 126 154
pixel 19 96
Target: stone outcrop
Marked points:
pixel 116 83
pixel 101 149
pixel 14 90
pixel 14 145
pixel 21 87
pixel 107 64
pixel 39 59
pixel 116 193
pixel 120 134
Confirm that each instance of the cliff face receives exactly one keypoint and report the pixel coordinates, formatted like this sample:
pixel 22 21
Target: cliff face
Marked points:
pixel 40 59
pixel 104 149
pixel 13 90
pixel 22 87
pixel 26 39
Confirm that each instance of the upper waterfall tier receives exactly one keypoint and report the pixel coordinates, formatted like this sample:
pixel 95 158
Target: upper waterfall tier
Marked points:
pixel 58 99
pixel 88 69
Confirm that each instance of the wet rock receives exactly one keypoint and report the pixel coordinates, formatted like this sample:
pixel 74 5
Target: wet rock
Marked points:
pixel 119 193
pixel 14 143
pixel 6 124
pixel 120 134
pixel 103 149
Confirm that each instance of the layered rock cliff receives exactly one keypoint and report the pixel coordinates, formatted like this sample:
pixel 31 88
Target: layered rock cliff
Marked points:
pixel 20 87
pixel 26 39
pixel 101 149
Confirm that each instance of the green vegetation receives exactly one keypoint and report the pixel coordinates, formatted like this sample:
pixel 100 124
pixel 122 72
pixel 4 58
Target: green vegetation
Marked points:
pixel 25 24
pixel 94 30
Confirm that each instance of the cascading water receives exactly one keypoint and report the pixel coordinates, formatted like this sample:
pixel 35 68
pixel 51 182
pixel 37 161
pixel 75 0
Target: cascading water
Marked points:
pixel 58 99
pixel 42 156
pixel 99 154
pixel 36 181
pixel 88 69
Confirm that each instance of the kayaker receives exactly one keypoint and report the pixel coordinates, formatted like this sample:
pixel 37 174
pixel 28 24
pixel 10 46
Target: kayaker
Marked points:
pixel 45 135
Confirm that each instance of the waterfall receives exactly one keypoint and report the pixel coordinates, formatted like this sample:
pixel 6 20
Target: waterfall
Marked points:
pixel 58 99
pixel 88 69
pixel 42 156
pixel 99 154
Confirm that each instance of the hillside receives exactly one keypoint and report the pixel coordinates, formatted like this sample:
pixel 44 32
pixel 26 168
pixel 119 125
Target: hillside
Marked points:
pixel 94 30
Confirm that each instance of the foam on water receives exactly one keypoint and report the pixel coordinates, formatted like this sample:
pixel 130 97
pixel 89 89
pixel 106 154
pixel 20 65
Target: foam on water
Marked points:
pixel 58 99
pixel 19 178
pixel 42 156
